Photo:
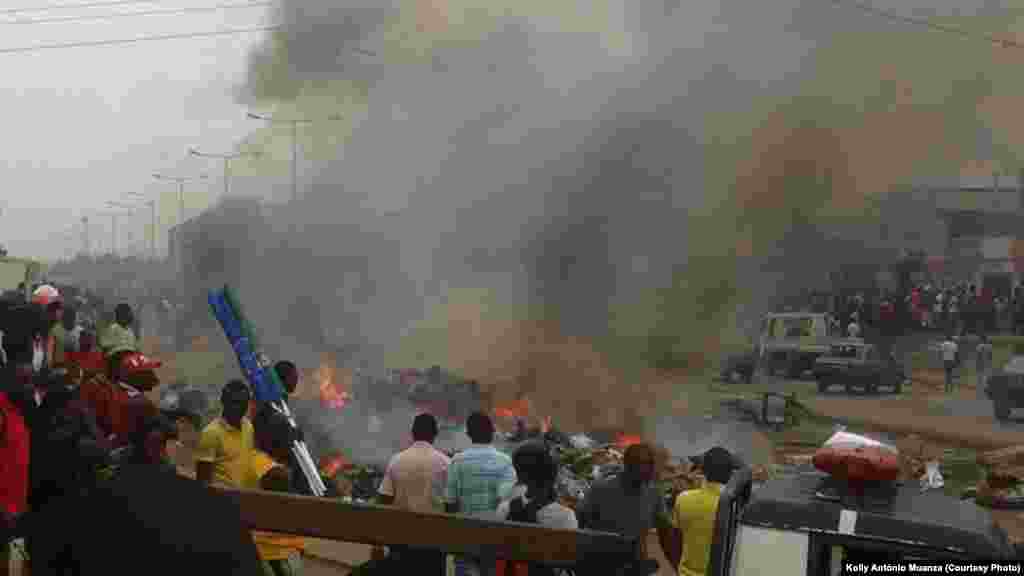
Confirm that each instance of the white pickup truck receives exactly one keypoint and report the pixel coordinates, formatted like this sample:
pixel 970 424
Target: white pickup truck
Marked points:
pixel 18 273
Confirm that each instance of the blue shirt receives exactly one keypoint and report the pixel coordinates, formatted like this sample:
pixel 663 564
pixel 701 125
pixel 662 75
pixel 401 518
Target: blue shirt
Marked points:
pixel 479 478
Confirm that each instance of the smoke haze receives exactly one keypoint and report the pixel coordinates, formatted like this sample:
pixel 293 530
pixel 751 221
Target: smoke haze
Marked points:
pixel 559 196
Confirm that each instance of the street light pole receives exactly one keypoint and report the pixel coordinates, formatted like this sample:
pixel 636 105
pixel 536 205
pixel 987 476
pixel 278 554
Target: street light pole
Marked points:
pixel 227 158
pixel 181 212
pixel 295 162
pixel 113 225
pixel 294 123
pixel 152 236
pixel 152 232
pixel 85 236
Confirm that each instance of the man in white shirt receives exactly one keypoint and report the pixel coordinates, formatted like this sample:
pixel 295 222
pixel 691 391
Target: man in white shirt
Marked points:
pixel 414 480
pixel 416 477
pixel 984 365
pixel 949 350
pixel 853 330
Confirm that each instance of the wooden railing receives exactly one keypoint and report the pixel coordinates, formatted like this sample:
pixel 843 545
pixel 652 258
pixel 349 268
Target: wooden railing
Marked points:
pixel 455 534
pixel 488 540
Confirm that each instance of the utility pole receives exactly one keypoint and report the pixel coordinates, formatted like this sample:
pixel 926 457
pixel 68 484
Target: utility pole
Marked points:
pixel 113 226
pixel 152 207
pixel 294 123
pixel 85 237
pixel 180 180
pixel 227 158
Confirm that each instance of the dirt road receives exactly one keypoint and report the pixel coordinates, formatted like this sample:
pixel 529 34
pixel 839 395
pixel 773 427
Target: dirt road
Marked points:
pixel 959 418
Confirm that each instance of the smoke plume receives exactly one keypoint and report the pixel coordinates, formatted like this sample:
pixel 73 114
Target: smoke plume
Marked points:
pixel 560 196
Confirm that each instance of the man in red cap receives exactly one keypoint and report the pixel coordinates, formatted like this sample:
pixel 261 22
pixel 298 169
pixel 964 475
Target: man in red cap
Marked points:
pixel 119 399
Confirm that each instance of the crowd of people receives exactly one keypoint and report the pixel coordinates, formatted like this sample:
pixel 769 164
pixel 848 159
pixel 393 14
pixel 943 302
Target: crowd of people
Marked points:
pixel 240 451
pixel 84 452
pixel 88 485
pixel 958 308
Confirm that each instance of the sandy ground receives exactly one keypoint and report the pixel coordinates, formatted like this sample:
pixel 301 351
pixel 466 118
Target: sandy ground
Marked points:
pixel 960 418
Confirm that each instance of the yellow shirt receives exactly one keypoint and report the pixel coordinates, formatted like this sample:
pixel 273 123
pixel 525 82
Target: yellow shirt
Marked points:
pixel 694 514
pixel 271 546
pixel 230 451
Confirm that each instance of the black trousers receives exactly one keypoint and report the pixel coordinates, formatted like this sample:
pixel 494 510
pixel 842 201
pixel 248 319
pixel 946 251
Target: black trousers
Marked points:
pixel 416 561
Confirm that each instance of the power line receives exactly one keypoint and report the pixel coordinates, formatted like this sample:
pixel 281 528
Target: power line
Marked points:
pixel 73 6
pixel 189 10
pixel 97 43
pixel 869 9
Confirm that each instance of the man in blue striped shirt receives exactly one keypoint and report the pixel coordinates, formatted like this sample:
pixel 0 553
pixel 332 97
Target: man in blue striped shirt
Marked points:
pixel 479 478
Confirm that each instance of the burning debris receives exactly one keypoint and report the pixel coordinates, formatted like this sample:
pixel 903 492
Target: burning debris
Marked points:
pixel 332 391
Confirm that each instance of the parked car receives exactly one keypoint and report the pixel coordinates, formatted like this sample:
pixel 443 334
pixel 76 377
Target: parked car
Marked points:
pixel 742 365
pixel 1006 388
pixel 857 364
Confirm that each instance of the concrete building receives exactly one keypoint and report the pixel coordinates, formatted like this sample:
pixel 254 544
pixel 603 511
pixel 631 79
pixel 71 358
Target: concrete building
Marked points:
pixel 984 224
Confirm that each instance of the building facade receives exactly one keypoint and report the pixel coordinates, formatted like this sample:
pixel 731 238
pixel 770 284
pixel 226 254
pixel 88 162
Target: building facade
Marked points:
pixel 984 221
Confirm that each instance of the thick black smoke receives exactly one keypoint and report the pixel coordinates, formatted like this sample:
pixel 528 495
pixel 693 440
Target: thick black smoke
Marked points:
pixel 575 172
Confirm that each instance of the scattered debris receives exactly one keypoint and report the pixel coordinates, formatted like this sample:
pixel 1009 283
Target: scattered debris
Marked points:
pixel 932 478
pixel 581 442
pixel 1003 483
pixel 1011 456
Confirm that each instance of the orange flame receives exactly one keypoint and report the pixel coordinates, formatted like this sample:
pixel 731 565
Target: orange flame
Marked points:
pixel 518 409
pixel 331 465
pixel 626 440
pixel 332 392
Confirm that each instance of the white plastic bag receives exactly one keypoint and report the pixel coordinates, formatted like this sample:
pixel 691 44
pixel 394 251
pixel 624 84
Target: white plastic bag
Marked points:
pixel 581 442
pixel 932 478
pixel 843 438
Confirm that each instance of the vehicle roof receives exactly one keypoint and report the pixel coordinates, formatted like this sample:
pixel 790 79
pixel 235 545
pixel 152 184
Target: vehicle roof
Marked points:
pixel 851 342
pixel 1015 365
pixel 900 513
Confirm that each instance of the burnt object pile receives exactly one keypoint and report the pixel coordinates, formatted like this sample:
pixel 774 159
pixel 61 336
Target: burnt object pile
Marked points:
pixel 446 395
pixel 357 483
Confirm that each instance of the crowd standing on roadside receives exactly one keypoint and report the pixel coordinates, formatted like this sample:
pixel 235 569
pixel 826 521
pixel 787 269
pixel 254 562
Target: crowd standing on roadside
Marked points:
pixel 80 444
pixel 80 441
pixel 958 307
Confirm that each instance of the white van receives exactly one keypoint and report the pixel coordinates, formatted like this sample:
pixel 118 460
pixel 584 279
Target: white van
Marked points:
pixel 790 342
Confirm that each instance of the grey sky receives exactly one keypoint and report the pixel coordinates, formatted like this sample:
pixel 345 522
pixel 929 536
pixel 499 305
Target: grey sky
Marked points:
pixel 83 126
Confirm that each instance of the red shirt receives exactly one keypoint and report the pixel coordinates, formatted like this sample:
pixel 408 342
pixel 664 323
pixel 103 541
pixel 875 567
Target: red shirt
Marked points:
pixel 14 443
pixel 117 408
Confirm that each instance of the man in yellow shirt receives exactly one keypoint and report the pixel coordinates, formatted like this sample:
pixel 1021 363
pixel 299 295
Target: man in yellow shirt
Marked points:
pixel 226 446
pixel 281 553
pixel 694 512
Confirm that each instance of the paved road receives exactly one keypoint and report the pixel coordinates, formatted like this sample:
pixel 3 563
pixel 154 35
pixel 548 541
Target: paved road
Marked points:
pixel 966 406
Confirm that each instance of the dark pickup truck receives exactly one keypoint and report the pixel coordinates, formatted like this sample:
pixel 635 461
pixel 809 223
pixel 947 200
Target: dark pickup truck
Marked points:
pixel 856 364
pixel 1006 388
